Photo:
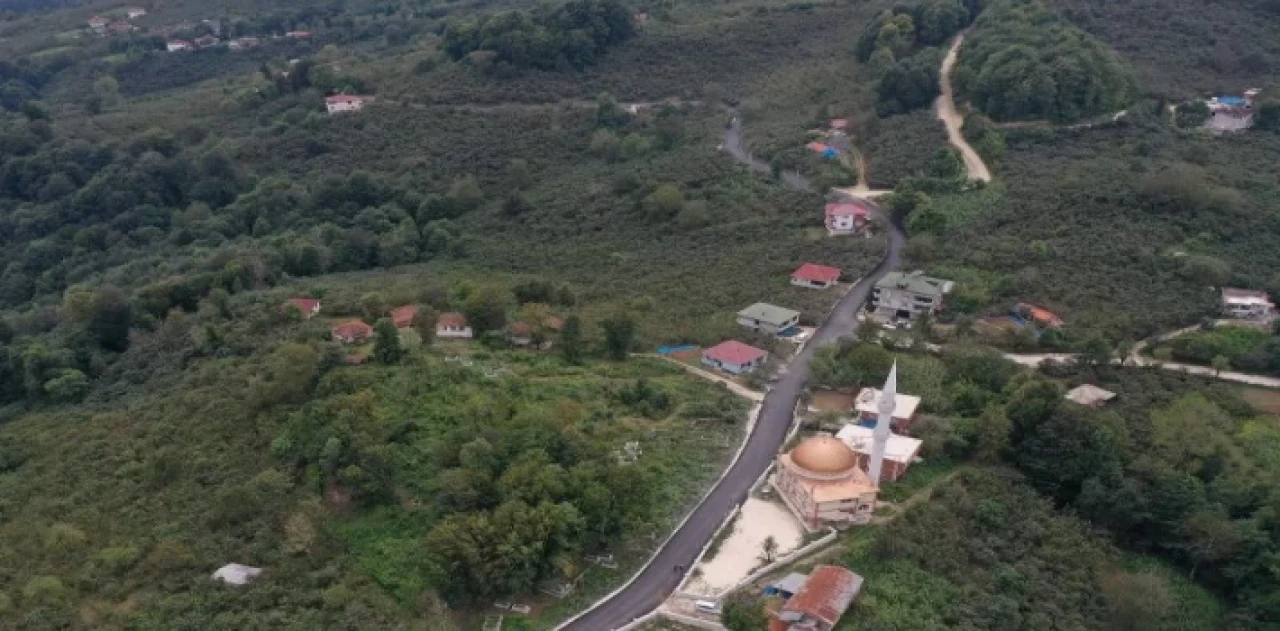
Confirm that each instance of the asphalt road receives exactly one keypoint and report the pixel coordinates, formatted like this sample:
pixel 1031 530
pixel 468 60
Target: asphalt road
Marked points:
pixel 656 582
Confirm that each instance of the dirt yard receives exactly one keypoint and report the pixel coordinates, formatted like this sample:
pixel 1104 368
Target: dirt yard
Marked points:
pixel 832 401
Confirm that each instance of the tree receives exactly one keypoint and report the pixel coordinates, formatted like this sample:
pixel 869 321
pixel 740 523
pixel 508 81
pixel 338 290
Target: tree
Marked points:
pixel 373 305
pixel 424 322
pixel 665 202
pixel 570 343
pixel 769 549
pixel 386 344
pixel 289 375
pixel 1220 363
pixel 68 386
pixel 741 614
pixel 992 434
pixel 619 332
pixel 110 318
pixel 486 308
pixel 1095 351
pixel 1191 114
pixel 1136 601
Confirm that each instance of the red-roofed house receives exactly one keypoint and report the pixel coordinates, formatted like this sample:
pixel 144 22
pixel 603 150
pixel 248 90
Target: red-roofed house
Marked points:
pixel 298 34
pixel 352 331
pixel 839 123
pixel 815 276
pixel 846 218
pixel 98 22
pixel 520 333
pixel 734 356
pixel 403 316
pixel 1040 315
pixel 175 45
pixel 452 325
pixel 820 603
pixel 307 306
pixel 345 103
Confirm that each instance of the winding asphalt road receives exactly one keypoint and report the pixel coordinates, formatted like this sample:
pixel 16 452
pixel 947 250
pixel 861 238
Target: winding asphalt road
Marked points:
pixel 655 582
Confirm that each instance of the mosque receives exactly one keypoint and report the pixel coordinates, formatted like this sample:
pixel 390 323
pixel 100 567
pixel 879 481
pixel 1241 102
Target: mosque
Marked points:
pixel 820 480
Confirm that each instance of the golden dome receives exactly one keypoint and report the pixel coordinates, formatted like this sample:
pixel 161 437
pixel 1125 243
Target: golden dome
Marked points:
pixel 824 455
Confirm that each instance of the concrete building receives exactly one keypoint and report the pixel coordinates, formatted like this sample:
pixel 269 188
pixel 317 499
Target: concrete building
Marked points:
pixel 135 12
pixel 905 296
pixel 870 401
pixel 820 602
pixel 1246 304
pixel 768 318
pixel 815 276
pixel 734 356
pixel 821 483
pixel 899 451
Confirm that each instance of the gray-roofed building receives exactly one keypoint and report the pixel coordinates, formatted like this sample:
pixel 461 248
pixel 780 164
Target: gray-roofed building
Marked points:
pixel 768 318
pixel 906 295
pixel 787 587
pixel 236 574
pixel 1090 395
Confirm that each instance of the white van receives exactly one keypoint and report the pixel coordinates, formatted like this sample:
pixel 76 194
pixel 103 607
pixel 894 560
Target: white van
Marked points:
pixel 707 606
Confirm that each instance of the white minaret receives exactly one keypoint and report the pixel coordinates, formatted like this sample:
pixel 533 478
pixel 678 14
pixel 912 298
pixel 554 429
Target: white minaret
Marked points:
pixel 888 401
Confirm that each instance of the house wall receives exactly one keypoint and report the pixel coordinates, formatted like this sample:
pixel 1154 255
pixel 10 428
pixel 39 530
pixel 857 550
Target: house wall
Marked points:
pixel 452 332
pixel 890 470
pixel 800 282
pixel 891 300
pixel 352 106
pixel 765 326
pixel 898 424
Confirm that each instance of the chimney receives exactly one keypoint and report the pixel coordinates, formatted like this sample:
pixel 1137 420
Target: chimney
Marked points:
pixel 887 404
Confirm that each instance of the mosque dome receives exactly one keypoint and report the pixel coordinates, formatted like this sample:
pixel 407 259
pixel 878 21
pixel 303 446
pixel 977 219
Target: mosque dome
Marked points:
pixel 824 455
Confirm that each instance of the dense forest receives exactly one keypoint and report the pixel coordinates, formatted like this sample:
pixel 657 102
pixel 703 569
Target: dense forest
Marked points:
pixel 574 34
pixel 1022 61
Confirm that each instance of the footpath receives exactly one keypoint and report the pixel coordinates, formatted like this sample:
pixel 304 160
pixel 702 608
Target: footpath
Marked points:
pixel 951 118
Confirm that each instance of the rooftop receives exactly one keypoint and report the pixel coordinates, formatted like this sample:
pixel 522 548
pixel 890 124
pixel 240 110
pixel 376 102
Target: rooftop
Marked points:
pixel 451 320
pixel 899 448
pixel 771 314
pixel 1245 296
pixel 846 208
pixel 1087 394
pixel 236 574
pixel 868 402
pixel 823 454
pixel 734 352
pixel 403 316
pixel 352 328
pixel 817 273
pixel 915 282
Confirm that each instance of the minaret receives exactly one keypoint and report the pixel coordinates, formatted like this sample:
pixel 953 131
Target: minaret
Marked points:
pixel 888 402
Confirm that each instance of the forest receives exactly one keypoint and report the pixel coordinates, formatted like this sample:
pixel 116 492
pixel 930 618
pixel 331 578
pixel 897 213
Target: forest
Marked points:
pixel 574 34
pixel 1024 62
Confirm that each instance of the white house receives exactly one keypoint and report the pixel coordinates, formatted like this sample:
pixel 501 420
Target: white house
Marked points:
pixel 734 356
pixel 768 318
pixel 345 103
pixel 846 218
pixel 98 23
pixel 815 276
pixel 135 12
pixel 236 574
pixel 452 326
pixel 905 296
pixel 175 45
pixel 1246 303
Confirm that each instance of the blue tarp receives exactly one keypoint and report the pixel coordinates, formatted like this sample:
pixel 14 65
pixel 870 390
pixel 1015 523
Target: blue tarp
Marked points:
pixel 667 350
pixel 830 153
pixel 1231 100
pixel 1017 319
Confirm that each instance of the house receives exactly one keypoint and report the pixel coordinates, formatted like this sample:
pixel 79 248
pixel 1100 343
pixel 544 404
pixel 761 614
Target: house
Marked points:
pixel 402 317
pixel 1246 303
pixel 866 408
pixel 352 332
pixel 839 124
pixel 905 296
pixel 1090 395
pixel 298 34
pixel 826 151
pixel 120 28
pixel 734 356
pixel 242 43
pixel 768 318
pixel 520 334
pixel 205 41
pixel 345 103
pixel 175 45
pixel 308 307
pixel 452 326
pixel 846 218
pixel 822 485
pixel 1230 113
pixel 1041 316
pixel 135 12
pixel 236 574
pixel 899 452
pixel 815 276
pixel 553 323
pixel 98 23
pixel 821 601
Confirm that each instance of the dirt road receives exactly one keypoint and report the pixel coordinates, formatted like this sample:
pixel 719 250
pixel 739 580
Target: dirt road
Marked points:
pixel 945 106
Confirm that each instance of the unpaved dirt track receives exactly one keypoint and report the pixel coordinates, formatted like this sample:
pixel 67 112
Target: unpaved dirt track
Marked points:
pixel 945 106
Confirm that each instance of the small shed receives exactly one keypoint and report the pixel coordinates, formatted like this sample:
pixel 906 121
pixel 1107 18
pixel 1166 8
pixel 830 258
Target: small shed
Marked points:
pixel 236 574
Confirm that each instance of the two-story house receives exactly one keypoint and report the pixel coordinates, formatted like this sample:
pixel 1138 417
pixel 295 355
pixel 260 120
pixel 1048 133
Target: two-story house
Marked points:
pixel 904 296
